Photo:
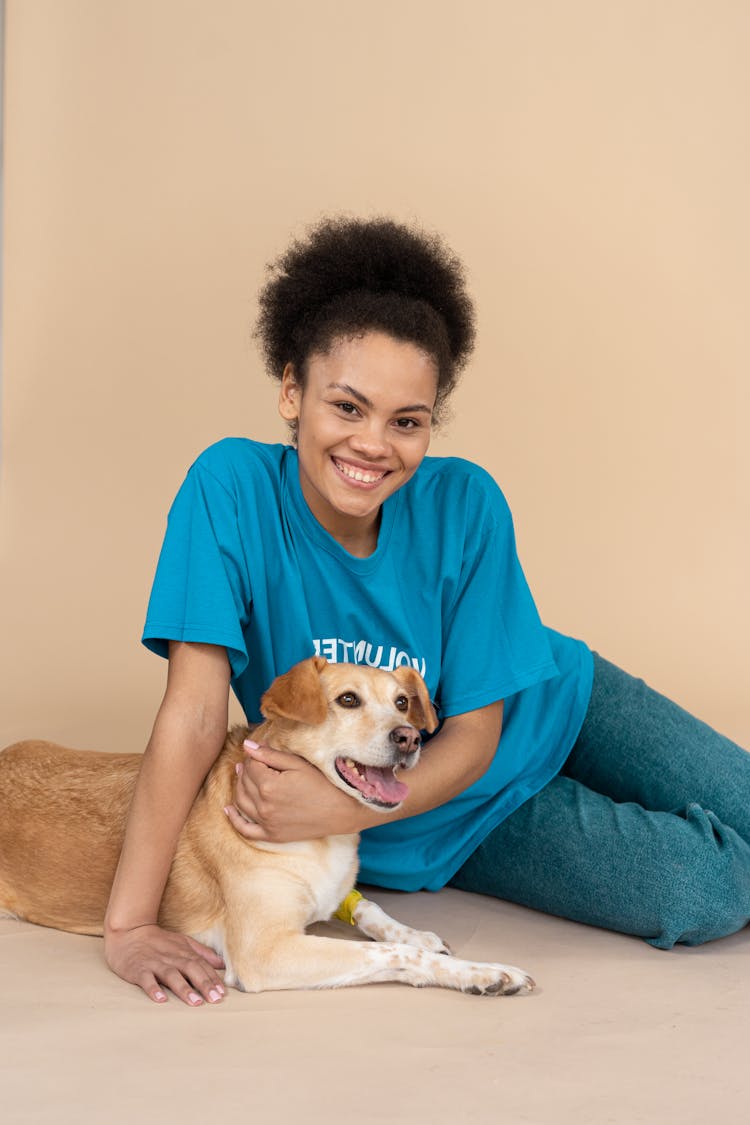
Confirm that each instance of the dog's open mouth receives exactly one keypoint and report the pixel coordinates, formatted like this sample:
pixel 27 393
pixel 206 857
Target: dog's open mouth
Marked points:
pixel 377 784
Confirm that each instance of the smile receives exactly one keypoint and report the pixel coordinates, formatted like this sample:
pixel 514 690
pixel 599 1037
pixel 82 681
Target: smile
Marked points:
pixel 360 475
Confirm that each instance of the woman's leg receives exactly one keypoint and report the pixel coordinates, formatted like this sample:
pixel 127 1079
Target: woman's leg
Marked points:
pixel 636 745
pixel 626 842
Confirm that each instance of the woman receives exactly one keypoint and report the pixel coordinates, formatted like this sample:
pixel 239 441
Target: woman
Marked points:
pixel 601 802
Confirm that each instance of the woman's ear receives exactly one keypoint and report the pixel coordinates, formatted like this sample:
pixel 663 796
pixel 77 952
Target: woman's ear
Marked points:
pixel 289 395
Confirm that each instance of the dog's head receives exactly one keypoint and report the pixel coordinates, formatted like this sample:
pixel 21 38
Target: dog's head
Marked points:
pixel 356 724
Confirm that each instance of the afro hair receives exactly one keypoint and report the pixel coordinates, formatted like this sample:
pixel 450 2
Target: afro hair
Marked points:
pixel 350 276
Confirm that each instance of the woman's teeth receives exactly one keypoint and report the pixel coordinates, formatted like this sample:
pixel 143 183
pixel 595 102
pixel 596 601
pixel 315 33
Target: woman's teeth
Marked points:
pixel 357 474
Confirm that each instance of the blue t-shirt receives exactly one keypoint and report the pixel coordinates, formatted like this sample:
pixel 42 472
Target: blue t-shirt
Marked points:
pixel 246 565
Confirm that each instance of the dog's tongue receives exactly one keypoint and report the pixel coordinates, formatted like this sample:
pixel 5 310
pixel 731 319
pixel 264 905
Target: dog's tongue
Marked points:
pixel 386 788
pixel 377 783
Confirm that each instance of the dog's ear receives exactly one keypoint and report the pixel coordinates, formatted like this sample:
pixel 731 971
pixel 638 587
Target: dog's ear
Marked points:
pixel 421 713
pixel 298 694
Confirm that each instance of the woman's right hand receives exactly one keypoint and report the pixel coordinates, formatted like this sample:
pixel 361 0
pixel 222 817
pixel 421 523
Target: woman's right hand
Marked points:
pixel 155 959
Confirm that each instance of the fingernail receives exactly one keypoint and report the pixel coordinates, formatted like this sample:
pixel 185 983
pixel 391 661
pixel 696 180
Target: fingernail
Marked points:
pixel 194 998
pixel 250 745
pixel 214 995
pixel 238 768
pixel 159 996
pixel 226 810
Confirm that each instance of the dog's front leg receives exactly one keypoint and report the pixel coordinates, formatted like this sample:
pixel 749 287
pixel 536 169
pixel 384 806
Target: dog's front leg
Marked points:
pixel 373 921
pixel 308 961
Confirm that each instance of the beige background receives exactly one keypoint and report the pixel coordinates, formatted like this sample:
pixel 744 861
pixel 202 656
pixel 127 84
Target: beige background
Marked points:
pixel 590 161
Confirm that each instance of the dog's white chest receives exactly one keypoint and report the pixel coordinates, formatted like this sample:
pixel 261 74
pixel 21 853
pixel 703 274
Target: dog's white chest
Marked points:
pixel 327 869
pixel 337 876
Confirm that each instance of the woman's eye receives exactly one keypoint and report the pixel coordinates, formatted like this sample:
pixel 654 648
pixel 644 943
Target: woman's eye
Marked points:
pixel 347 408
pixel 402 703
pixel 348 699
pixel 406 423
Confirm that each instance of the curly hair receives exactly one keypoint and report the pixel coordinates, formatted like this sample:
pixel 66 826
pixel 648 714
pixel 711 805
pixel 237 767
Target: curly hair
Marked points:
pixel 350 276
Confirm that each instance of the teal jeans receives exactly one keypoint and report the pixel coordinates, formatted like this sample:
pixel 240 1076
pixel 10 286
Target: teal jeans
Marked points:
pixel 646 830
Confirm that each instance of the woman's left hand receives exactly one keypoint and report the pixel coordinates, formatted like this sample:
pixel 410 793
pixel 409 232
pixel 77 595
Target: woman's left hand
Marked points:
pixel 280 797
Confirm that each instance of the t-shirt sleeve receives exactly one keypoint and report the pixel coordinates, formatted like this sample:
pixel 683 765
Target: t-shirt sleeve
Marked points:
pixel 201 590
pixel 494 643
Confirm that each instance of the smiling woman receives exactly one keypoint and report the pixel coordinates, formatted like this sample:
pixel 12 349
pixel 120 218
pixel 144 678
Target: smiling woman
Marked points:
pixel 352 543
pixel 363 420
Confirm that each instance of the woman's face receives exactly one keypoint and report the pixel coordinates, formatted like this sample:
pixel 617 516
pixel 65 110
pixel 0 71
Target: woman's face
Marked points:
pixel 364 422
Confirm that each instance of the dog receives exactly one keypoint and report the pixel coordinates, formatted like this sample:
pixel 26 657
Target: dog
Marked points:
pixel 62 821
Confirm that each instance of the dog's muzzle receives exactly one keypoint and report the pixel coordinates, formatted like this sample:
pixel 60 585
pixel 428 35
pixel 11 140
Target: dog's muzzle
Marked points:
pixel 407 740
pixel 378 785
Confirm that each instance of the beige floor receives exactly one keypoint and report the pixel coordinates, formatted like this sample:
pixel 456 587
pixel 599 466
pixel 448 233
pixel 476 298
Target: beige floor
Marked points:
pixel 617 1032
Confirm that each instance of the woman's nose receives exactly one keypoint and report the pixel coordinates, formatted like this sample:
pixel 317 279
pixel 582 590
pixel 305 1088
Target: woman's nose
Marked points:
pixel 372 439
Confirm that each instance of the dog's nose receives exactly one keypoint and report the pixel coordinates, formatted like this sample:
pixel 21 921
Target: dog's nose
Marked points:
pixel 407 739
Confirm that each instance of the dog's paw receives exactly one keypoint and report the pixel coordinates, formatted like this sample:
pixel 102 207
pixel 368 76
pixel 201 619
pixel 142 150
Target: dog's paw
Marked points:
pixel 498 980
pixel 433 943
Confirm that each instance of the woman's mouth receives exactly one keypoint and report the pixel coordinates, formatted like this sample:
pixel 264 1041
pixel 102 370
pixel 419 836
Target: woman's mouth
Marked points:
pixel 358 473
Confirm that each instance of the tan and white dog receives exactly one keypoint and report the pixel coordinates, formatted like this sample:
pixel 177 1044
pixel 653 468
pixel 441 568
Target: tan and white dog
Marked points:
pixel 62 818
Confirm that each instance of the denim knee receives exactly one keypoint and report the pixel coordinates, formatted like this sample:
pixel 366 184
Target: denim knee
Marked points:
pixel 704 893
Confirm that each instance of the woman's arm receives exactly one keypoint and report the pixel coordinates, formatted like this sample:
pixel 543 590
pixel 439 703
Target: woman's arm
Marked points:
pixel 188 734
pixel 288 799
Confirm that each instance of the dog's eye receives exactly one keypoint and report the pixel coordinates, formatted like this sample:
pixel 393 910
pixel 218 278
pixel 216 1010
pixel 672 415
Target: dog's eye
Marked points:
pixel 402 703
pixel 348 699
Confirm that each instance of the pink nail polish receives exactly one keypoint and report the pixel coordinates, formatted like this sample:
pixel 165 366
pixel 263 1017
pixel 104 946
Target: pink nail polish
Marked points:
pixel 250 745
pixel 194 998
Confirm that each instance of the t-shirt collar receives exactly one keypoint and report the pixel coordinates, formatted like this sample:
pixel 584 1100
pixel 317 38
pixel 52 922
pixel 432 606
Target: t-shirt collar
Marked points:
pixel 315 531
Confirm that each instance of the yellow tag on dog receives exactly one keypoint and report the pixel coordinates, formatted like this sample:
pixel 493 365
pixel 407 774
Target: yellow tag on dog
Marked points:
pixel 347 908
